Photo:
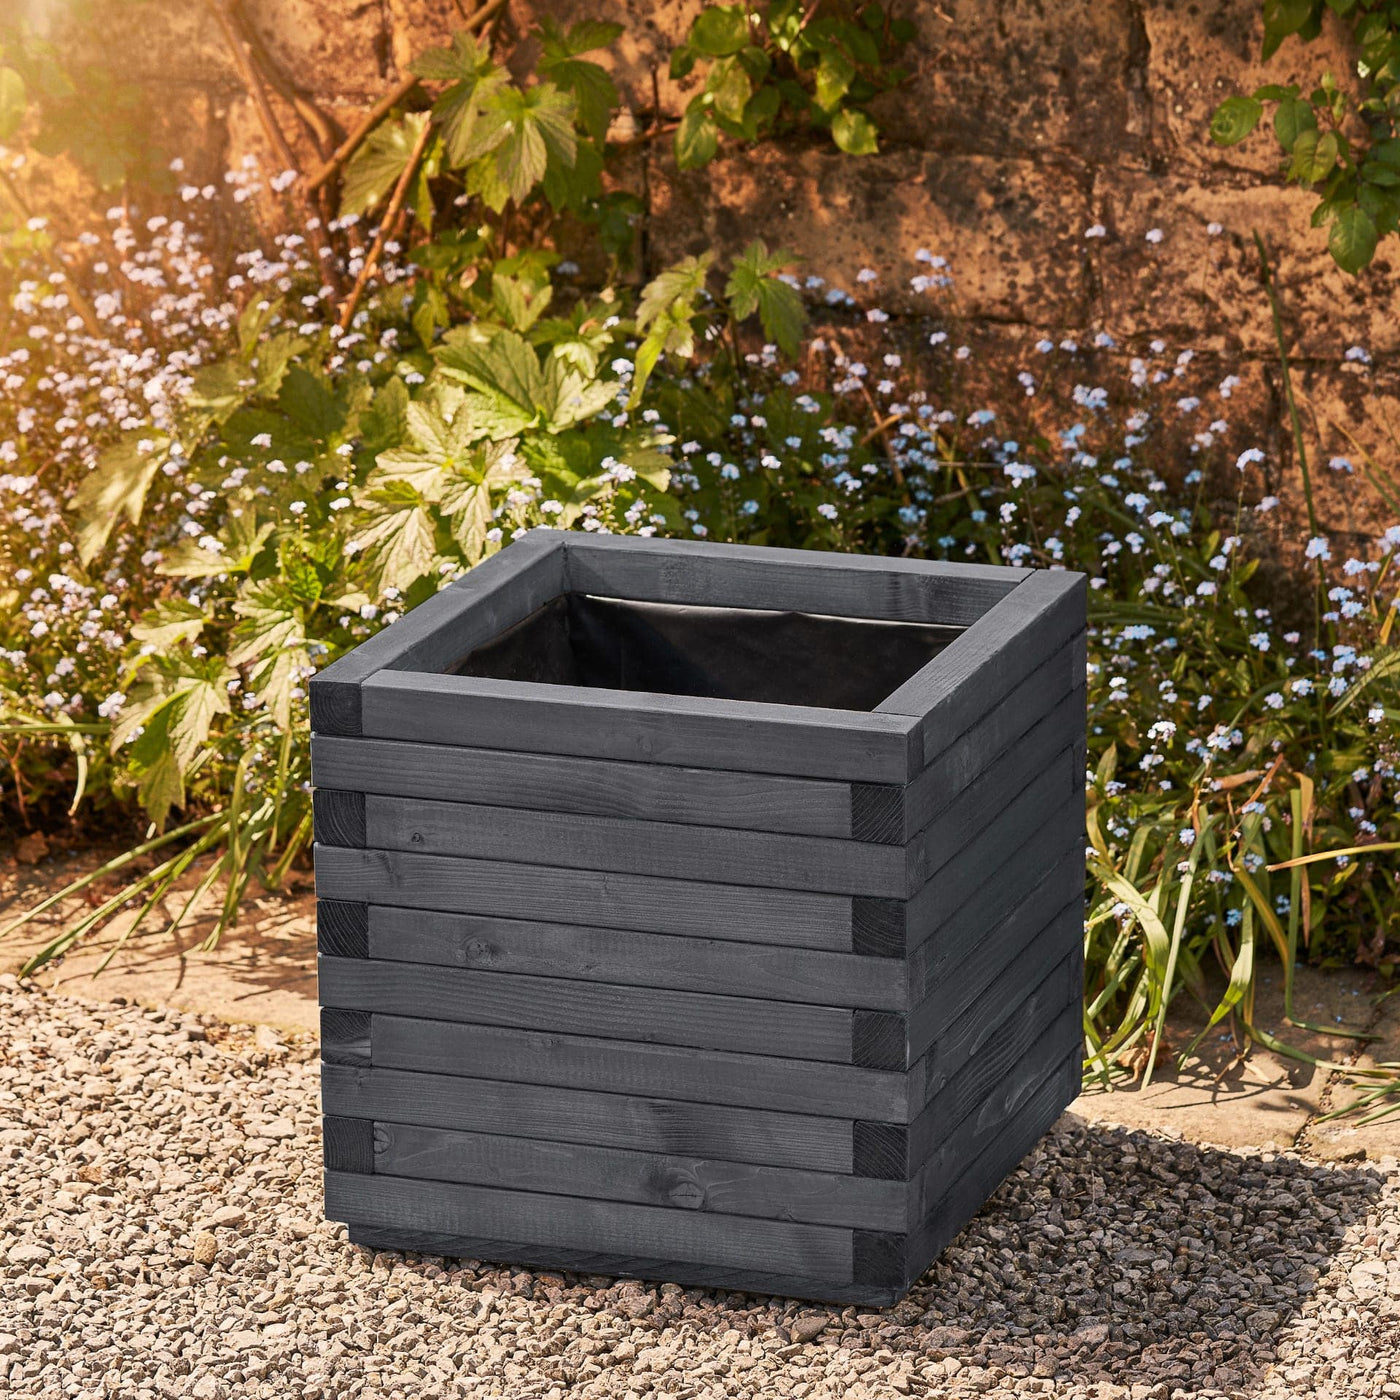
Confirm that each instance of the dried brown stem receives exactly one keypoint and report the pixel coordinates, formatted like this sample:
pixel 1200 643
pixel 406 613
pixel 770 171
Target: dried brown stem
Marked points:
pixel 252 80
pixel 396 201
pixel 315 121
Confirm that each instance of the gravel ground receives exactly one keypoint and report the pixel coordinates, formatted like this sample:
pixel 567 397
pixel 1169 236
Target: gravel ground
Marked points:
pixel 160 1236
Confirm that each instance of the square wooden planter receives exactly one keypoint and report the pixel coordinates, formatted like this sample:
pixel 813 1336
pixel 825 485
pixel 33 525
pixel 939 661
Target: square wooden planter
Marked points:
pixel 700 912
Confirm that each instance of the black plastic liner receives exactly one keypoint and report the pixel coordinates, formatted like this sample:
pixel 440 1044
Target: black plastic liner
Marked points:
pixel 784 658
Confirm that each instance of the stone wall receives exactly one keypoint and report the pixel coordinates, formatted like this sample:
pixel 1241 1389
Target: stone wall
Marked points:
pixel 1027 122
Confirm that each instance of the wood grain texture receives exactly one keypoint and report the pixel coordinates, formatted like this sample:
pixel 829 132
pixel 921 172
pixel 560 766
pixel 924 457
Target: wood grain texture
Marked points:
pixel 1038 617
pixel 996 856
pixel 1049 1021
pixel 1034 1087
pixel 665 849
pixel 799 580
pixel 335 701
pixel 1044 965
pixel 347 1144
pixel 1042 762
pixel 877 813
pixel 342 929
pixel 644 1178
pixel 1020 942
pixel 633 1067
pixel 597 898
pixel 1041 699
pixel 880 1150
pixel 575 1115
pixel 637 959
pixel 945 976
pixel 344 1036
pixel 878 1258
pixel 648 1014
pixel 589 787
pixel 583 1262
pixel 641 727
pixel 575 1222
pixel 338 818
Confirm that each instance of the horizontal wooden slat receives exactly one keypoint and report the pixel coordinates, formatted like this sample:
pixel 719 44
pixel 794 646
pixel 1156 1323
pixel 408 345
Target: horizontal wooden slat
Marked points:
pixel 589 1262
pixel 997 852
pixel 499 592
pixel 574 1222
pixel 1037 701
pixel 631 1067
pixel 638 726
pixel 1049 1020
pixel 1041 615
pixel 636 959
pixel 592 787
pixel 945 974
pixel 657 1015
pixel 665 849
pixel 577 1115
pixel 599 898
pixel 1034 1086
pixel 645 1178
pixel 798 580
pixel 956 1043
pixel 1041 762
pixel 1029 925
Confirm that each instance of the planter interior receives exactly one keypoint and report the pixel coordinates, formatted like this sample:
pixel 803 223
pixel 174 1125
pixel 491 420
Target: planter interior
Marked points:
pixel 784 658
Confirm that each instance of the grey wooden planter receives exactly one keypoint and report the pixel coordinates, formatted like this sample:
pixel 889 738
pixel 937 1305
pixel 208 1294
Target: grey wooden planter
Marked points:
pixel 700 912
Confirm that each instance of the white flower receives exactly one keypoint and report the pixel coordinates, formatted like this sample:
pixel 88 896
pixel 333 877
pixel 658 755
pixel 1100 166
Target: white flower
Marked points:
pixel 1153 235
pixel 1096 231
pixel 828 510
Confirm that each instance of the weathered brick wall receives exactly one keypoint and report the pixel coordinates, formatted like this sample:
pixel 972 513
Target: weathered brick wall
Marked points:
pixel 1027 123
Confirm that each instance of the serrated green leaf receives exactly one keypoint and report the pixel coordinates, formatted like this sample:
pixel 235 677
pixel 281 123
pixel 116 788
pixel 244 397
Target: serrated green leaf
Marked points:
pixel 1352 239
pixel 591 86
pixel 1314 157
pixel 834 74
pixel 696 139
pixel 116 487
pixel 753 286
pixel 1234 119
pixel 168 719
pixel 396 535
pixel 160 786
pixel 680 283
pixel 460 110
pixel 503 369
pixel 385 423
pixel 1292 118
pixel 271 640
pixel 1282 18
pixel 171 621
pixel 220 389
pixel 729 85
pixel 854 133
pixel 720 30
pixel 375 168
pixel 523 132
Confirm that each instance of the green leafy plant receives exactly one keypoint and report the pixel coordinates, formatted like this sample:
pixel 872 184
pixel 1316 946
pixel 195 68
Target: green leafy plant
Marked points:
pixel 775 67
pixel 1340 141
